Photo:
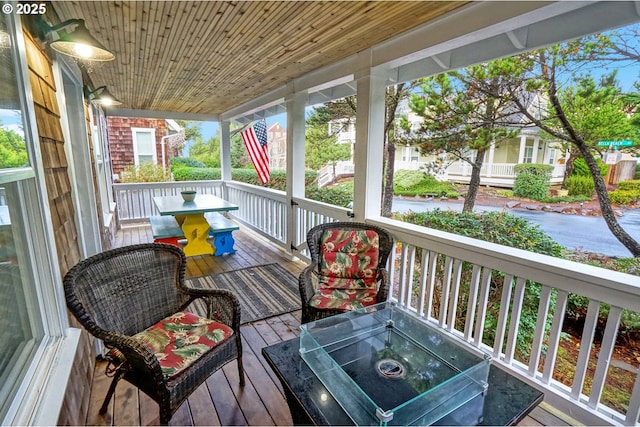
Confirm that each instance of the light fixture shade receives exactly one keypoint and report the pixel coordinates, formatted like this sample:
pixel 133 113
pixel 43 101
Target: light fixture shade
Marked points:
pixel 105 98
pixel 81 44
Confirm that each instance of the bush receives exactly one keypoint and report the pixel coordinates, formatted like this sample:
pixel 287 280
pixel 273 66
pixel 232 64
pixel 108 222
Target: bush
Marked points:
pixel 180 162
pixel 196 174
pixel 629 185
pixel 577 185
pixel 580 167
pixel 417 183
pixel 145 173
pixel 623 197
pixel 637 174
pixel 338 196
pixel 532 180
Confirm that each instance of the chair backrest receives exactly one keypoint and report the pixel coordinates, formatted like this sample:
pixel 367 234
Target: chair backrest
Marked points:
pixel 349 254
pixel 126 290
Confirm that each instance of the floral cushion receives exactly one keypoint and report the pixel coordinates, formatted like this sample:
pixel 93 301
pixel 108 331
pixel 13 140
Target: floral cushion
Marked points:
pixel 343 299
pixel 350 255
pixel 178 341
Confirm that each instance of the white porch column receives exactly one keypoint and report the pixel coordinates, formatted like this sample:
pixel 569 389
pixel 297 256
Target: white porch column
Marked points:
pixel 523 144
pixel 369 148
pixel 295 104
pixel 536 144
pixel 492 152
pixel 225 156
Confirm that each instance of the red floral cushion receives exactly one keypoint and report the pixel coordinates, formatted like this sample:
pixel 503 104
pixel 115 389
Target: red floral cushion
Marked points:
pixel 179 340
pixel 343 299
pixel 351 255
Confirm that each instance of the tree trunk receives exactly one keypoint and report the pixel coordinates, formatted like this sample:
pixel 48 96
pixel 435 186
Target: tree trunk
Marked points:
pixel 387 193
pixel 605 204
pixel 568 165
pixel 474 183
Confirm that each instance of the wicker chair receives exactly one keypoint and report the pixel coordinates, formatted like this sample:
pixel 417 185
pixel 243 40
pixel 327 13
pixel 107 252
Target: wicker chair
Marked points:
pixel 119 294
pixel 326 287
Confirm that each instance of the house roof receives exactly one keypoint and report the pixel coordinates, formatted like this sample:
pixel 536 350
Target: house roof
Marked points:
pixel 207 57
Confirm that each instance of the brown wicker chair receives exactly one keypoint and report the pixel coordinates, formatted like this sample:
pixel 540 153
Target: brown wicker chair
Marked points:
pixel 311 280
pixel 122 292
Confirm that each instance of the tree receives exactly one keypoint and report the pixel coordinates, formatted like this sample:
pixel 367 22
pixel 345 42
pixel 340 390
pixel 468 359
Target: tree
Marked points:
pixel 322 148
pixel 192 129
pixel 580 115
pixel 13 150
pixel 207 152
pixel 463 113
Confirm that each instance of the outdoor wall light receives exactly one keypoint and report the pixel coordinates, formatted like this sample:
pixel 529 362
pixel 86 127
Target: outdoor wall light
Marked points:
pixel 78 43
pixel 102 96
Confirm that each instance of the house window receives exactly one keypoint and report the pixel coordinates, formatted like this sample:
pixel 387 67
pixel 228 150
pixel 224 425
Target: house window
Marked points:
pixel 528 155
pixel 30 304
pixel 144 146
pixel 410 154
pixel 552 156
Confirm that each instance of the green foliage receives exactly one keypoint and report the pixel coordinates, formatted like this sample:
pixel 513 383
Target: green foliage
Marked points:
pixel 321 147
pixel 496 227
pixel 145 173
pixel 633 184
pixel 206 152
pixel 577 185
pixel 637 174
pixel 532 180
pixel 567 199
pixel 13 150
pixel 338 196
pixel 196 174
pixel 580 167
pixel 179 162
pixel 505 193
pixel 623 197
pixel 278 179
pixel 417 183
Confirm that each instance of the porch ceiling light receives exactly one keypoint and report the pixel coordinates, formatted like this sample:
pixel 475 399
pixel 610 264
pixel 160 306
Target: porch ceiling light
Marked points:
pixel 102 96
pixel 79 43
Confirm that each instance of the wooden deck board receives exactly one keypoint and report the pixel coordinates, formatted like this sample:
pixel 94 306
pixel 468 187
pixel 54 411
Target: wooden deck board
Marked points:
pixel 220 401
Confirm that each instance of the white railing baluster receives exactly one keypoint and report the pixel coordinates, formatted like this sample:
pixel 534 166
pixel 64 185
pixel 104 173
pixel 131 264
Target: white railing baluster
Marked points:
pixel 538 337
pixel 507 286
pixel 483 298
pixel 588 334
pixel 424 276
pixel 431 282
pixel 604 358
pixel 455 292
pixel 444 294
pixel 514 324
pixel 473 301
pixel 554 336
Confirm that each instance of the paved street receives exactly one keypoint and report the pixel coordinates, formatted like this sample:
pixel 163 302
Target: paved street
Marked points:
pixel 571 231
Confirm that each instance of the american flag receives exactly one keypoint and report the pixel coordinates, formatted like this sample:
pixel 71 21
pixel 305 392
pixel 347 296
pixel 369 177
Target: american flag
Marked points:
pixel 255 139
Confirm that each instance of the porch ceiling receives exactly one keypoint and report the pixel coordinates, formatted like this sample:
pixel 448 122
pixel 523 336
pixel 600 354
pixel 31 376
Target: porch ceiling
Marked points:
pixel 206 57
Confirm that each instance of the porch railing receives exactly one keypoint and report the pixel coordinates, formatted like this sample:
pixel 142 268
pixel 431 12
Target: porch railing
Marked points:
pixel 456 282
pixel 134 201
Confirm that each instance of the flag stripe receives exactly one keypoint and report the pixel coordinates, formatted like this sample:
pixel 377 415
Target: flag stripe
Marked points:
pixel 255 141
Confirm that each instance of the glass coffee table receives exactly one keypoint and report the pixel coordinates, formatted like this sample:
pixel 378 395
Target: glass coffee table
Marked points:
pixel 384 366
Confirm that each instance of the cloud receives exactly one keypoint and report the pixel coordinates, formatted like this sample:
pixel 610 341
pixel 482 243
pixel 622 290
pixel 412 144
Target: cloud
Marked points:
pixel 14 127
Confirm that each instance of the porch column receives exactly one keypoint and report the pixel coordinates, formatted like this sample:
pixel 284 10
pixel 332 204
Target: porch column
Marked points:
pixel 523 144
pixel 225 156
pixel 492 152
pixel 369 148
pixel 295 104
pixel 536 144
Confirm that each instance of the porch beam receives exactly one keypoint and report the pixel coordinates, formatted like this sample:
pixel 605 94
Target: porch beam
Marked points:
pixel 295 104
pixel 155 114
pixel 369 150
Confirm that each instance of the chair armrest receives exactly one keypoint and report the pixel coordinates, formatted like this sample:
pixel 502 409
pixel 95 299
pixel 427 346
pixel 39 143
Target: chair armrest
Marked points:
pixel 222 305
pixel 141 359
pixel 306 282
pixel 383 287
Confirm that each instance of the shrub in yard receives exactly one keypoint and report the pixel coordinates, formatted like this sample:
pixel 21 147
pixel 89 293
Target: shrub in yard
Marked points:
pixel 532 180
pixel 580 167
pixel 577 185
pixel 196 174
pixel 338 196
pixel 623 197
pixel 418 183
pixel 145 173
pixel 633 184
pixel 180 162
pixel 637 174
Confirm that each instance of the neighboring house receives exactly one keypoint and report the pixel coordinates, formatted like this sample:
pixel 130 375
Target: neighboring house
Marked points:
pixel 499 161
pixel 136 141
pixel 277 143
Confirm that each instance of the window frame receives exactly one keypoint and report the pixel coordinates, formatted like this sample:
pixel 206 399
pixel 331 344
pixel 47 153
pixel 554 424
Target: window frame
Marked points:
pixel 136 151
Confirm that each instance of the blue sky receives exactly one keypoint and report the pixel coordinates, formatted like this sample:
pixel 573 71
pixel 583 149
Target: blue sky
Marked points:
pixel 210 129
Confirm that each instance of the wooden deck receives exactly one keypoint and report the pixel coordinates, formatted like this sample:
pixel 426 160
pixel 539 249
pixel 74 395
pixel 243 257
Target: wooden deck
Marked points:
pixel 220 400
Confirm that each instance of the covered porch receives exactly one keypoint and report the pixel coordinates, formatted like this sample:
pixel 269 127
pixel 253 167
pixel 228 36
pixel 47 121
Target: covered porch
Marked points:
pixel 173 63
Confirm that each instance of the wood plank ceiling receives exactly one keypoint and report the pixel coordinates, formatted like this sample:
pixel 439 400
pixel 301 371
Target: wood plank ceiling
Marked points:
pixel 210 56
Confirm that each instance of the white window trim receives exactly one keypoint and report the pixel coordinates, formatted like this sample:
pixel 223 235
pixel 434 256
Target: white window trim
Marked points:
pixel 40 395
pixel 134 132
